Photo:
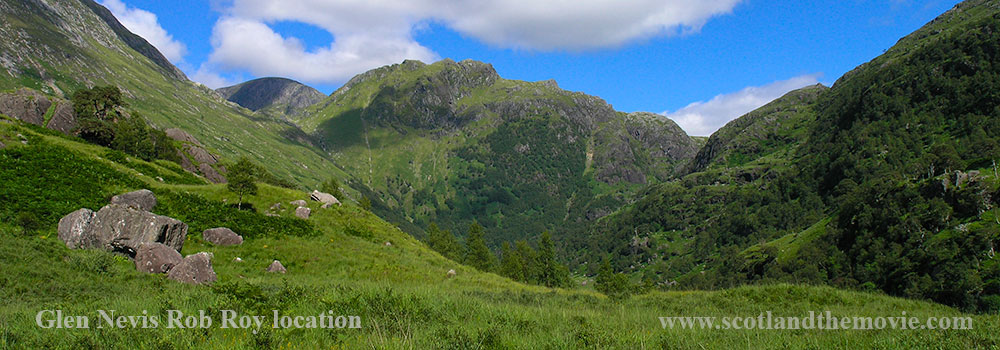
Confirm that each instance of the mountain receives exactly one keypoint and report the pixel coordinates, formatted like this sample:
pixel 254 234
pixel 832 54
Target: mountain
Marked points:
pixel 59 47
pixel 776 127
pixel 886 181
pixel 280 95
pixel 454 143
pixel 338 263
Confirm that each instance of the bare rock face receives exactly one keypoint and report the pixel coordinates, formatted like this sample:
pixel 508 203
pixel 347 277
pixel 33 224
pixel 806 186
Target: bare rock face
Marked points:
pixel 194 269
pixel 31 106
pixel 222 236
pixel 73 226
pixel 26 105
pixel 276 267
pixel 156 258
pixel 181 135
pixel 204 162
pixel 143 200
pixel 303 212
pixel 63 119
pixel 326 198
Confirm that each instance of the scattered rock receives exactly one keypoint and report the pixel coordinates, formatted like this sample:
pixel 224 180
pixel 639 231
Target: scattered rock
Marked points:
pixel 160 179
pixel 452 273
pixel 143 200
pixel 276 267
pixel 299 203
pixel 156 258
pixel 326 198
pixel 303 212
pixel 237 259
pixel 388 244
pixel 222 236
pixel 194 269
pixel 276 206
pixel 2 145
pixel 72 227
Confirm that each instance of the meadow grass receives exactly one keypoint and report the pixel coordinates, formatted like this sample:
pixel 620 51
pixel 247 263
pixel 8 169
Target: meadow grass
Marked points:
pixel 338 261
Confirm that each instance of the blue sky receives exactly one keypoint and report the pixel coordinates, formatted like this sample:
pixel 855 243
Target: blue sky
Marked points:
pixel 701 63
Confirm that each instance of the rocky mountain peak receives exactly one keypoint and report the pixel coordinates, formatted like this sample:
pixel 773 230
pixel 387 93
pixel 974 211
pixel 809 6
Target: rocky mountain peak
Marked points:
pixel 288 96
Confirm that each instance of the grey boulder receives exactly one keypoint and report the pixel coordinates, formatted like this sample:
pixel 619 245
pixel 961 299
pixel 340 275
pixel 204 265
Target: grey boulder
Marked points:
pixel 222 236
pixel 73 226
pixel 156 258
pixel 326 198
pixel 194 269
pixel 121 229
pixel 276 267
pixel 298 203
pixel 303 212
pixel 143 200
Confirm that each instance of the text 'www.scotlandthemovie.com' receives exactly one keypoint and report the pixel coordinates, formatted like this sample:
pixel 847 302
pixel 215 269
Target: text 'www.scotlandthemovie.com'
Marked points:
pixel 817 320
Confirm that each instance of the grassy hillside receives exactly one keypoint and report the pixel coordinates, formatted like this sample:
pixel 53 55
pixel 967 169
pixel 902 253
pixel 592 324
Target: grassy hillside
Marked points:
pixel 60 47
pixel 454 143
pixel 337 261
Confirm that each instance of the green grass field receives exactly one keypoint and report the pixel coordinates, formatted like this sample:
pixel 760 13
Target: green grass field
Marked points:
pixel 338 261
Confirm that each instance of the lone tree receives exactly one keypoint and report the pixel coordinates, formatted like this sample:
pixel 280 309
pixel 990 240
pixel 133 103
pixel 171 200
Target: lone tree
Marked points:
pixel 477 253
pixel 242 178
pixel 332 186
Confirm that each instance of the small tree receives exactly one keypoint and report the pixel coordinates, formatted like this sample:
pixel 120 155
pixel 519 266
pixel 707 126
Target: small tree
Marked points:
pixel 511 264
pixel 365 203
pixel 615 285
pixel 332 186
pixel 242 179
pixel 477 253
pixel 443 242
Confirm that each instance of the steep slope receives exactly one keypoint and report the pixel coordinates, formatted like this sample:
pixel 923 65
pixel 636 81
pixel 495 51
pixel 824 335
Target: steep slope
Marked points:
pixel 277 95
pixel 338 264
pixel 58 47
pixel 776 127
pixel 453 142
pixel 892 186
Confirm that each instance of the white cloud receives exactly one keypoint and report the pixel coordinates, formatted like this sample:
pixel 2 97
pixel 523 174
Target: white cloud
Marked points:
pixel 704 118
pixel 372 33
pixel 249 44
pixel 145 24
pixel 208 76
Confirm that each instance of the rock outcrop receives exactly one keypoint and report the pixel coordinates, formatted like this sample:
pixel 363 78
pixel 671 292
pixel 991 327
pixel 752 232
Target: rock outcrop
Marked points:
pixel 143 200
pixel 276 267
pixel 325 198
pixel 156 258
pixel 222 236
pixel 31 106
pixel 194 269
pixel 298 203
pixel 195 158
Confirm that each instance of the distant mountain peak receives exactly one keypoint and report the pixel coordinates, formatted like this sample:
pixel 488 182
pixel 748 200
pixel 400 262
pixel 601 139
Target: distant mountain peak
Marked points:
pixel 287 96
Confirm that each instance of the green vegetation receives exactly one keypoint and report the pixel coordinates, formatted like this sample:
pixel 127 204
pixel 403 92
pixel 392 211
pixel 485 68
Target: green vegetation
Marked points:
pixel 454 144
pixel 102 120
pixel 242 180
pixel 337 262
pixel 886 182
